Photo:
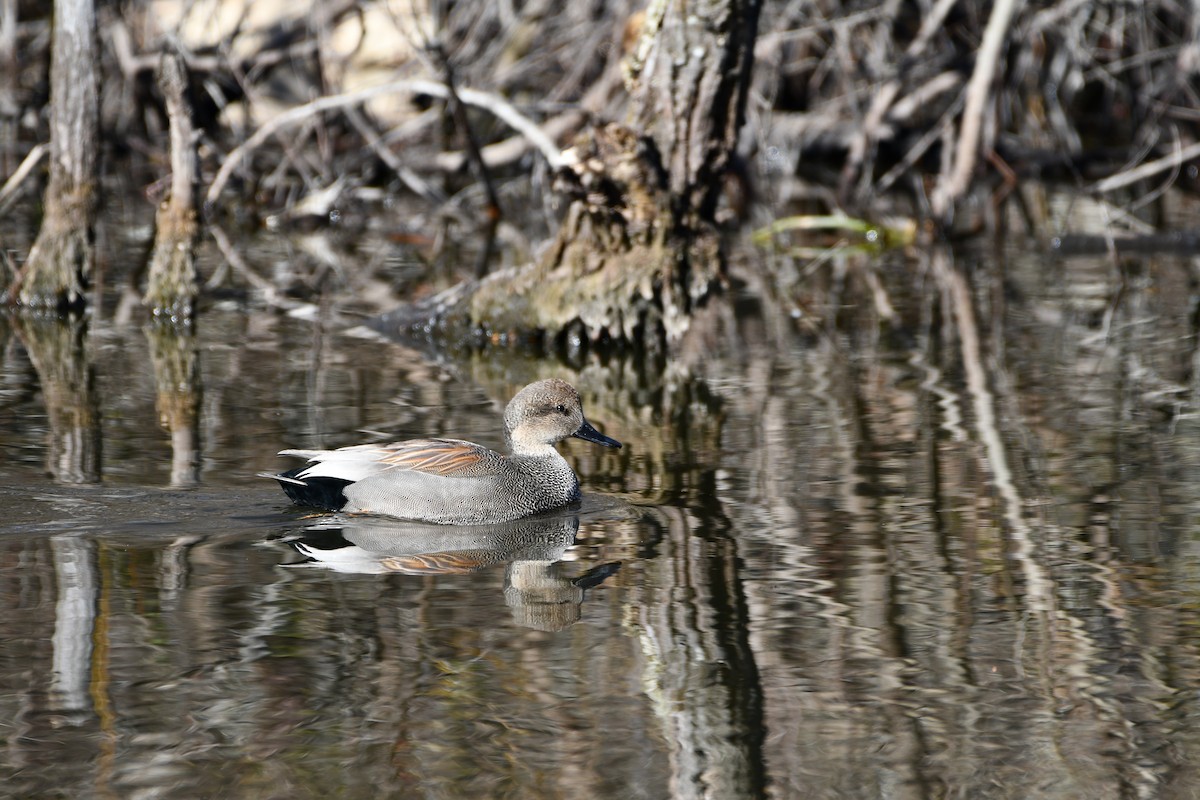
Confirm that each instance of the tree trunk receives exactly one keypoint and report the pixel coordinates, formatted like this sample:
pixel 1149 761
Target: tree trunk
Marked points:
pixel 61 258
pixel 9 83
pixel 638 249
pixel 171 290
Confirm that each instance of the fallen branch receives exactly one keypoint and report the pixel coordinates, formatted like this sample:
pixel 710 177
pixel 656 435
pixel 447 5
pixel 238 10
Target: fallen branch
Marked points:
pixel 1123 179
pixel 495 104
pixel 557 128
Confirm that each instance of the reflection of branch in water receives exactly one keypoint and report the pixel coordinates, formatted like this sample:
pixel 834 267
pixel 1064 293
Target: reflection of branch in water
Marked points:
pixel 951 418
pixel 270 295
pixel 1037 585
pixel 58 350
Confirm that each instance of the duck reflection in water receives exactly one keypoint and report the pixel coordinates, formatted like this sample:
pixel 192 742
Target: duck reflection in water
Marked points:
pixel 538 595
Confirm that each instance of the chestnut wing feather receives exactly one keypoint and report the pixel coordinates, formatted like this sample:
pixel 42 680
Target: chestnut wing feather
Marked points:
pixel 445 457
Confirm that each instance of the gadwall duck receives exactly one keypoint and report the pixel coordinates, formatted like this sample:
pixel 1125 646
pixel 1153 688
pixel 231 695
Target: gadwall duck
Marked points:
pixel 452 482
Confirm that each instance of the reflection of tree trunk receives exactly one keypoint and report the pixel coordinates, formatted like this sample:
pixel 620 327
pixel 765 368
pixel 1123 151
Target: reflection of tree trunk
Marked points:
pixel 61 258
pixel 176 375
pixel 638 249
pixel 172 287
pixel 74 619
pixel 58 350
pixel 701 671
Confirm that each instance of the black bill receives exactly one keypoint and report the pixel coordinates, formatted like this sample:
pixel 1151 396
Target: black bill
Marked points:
pixel 590 434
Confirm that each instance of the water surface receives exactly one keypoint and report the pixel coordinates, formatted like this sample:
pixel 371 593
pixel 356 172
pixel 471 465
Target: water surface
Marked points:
pixel 919 528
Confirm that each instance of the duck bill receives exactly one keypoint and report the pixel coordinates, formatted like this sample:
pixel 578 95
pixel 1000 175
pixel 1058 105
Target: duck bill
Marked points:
pixel 590 434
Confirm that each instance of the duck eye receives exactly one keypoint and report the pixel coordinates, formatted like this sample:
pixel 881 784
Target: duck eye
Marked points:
pixel 560 408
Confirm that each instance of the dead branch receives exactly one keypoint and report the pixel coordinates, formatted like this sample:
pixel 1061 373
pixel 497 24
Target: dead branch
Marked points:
pixel 871 129
pixel 979 91
pixel 416 184
pixel 9 192
pixel 1129 176
pixel 498 106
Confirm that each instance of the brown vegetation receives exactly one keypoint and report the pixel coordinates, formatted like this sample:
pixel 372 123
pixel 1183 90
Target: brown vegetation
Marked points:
pixel 937 112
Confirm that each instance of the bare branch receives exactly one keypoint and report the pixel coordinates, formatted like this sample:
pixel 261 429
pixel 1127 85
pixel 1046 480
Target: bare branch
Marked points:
pixel 9 191
pixel 498 106
pixel 1123 179
pixel 979 91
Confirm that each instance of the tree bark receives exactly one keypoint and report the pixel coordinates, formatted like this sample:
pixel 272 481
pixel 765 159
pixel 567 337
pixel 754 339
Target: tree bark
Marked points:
pixel 9 81
pixel 171 290
pixel 638 250
pixel 61 259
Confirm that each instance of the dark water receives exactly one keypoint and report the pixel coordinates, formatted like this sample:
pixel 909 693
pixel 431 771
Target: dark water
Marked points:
pixel 919 527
